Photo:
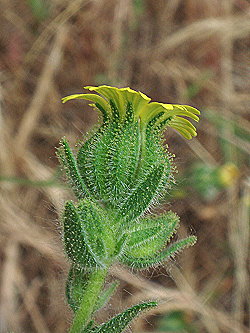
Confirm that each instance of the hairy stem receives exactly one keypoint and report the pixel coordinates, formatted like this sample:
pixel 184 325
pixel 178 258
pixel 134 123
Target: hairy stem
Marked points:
pixel 90 296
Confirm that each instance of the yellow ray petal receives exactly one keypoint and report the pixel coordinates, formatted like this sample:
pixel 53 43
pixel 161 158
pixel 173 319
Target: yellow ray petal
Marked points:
pixel 90 97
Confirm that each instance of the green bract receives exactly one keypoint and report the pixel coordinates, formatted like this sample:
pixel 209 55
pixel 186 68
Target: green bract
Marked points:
pixel 118 173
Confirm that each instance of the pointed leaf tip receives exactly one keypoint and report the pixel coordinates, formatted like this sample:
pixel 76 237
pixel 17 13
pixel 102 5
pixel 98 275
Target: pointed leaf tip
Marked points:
pixel 118 323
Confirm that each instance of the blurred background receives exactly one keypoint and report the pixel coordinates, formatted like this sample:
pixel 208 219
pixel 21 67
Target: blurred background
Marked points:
pixel 175 51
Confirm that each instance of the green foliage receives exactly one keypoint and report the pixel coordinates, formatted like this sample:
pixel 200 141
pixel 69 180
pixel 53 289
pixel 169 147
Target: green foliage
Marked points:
pixel 69 165
pixel 139 6
pixel 119 173
pixel 39 9
pixel 50 182
pixel 120 322
pixel 209 180
pixel 142 196
pixel 106 294
pixel 88 238
pixel 176 321
pixel 76 284
pixel 149 235
pixel 196 86
pixel 74 242
pixel 157 258
pixel 240 131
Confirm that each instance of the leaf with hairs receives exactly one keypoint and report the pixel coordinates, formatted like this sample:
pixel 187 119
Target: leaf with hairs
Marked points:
pixel 171 251
pixel 118 323
pixel 142 196
pixel 74 242
pixel 76 284
pixel 69 164
pixel 97 229
pixel 106 294
pixel 149 235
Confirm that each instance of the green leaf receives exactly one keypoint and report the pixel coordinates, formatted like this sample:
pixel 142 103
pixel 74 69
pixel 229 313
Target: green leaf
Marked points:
pixel 74 242
pixel 149 235
pixel 104 112
pixel 143 195
pixel 122 163
pixel 69 164
pixel 85 165
pixel 75 286
pixel 108 161
pixel 115 112
pixel 175 322
pixel 171 251
pixel 90 325
pixel 89 298
pixel 121 321
pixel 97 230
pixel 105 295
pixel 92 160
pixel 120 244
pixel 77 282
pixel 153 154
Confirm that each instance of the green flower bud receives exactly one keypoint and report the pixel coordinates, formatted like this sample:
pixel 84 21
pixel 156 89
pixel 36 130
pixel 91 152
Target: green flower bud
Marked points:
pixel 124 163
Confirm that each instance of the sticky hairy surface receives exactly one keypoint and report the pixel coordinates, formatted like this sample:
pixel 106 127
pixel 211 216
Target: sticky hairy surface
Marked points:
pixel 118 174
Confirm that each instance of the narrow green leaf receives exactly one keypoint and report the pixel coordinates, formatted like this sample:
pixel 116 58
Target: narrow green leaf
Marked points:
pixel 122 163
pixel 69 164
pixel 115 111
pixel 96 227
pixel 153 154
pixel 129 116
pixel 180 245
pixel 104 112
pixel 105 295
pixel 101 160
pixel 143 195
pixel 150 235
pixel 120 244
pixel 122 320
pixel 74 242
pixel 75 286
pixel 85 165
pixel 89 298
pixel 171 251
pixel 89 325
pixel 93 159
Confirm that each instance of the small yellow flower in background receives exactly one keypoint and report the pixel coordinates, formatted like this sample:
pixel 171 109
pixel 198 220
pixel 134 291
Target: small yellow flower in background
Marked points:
pixel 228 174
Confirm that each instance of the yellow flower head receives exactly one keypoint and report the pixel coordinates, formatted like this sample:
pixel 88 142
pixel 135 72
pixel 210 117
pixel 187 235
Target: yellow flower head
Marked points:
pixel 123 104
pixel 228 174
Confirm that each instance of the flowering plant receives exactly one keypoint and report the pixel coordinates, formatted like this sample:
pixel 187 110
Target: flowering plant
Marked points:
pixel 120 171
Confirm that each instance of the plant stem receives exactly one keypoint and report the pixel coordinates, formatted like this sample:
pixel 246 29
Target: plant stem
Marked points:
pixel 90 297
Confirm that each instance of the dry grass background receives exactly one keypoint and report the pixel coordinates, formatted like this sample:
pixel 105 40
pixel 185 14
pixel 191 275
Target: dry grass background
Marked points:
pixel 185 51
